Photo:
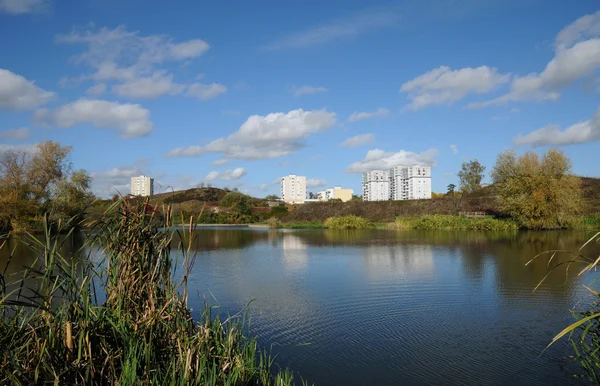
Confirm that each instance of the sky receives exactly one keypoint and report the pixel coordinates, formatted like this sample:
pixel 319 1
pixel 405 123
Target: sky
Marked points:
pixel 239 95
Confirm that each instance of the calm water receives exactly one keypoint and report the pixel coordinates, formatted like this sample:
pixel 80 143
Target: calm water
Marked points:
pixel 391 308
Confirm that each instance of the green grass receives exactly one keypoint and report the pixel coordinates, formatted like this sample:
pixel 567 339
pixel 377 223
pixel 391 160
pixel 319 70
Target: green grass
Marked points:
pixel 348 222
pixel 143 333
pixel 589 222
pixel 303 225
pixel 443 222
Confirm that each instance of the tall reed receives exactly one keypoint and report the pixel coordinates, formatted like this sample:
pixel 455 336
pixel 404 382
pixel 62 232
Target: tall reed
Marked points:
pixel 142 333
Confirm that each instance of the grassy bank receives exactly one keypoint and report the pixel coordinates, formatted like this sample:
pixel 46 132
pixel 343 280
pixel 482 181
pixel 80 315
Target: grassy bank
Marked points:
pixel 142 334
pixel 441 222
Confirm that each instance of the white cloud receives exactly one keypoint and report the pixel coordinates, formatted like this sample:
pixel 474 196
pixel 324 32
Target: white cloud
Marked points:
pixel 356 116
pixel 227 175
pixel 574 59
pixel 131 120
pixel 205 91
pixel 445 86
pixel 358 140
pixel 17 7
pixel 581 132
pixel 379 159
pixel 18 93
pixel 354 25
pixel 307 90
pixel 219 162
pixel 97 89
pixel 263 137
pixel 130 59
pixel 454 149
pixel 315 183
pixel 16 134
pixel 159 83
pixel 116 180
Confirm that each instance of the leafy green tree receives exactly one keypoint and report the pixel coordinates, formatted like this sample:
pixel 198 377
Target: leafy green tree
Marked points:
pixel 238 201
pixel 72 198
pixel 538 193
pixel 471 175
pixel 451 188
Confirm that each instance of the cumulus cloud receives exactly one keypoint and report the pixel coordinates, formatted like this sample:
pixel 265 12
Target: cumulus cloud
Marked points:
pixel 581 132
pixel 205 91
pixel 18 7
pixel 576 55
pixel 115 180
pixel 356 116
pixel 315 183
pixel 444 86
pixel 357 24
pixel 358 140
pixel 379 159
pixel 131 60
pixel 30 149
pixel 454 149
pixel 227 175
pixel 16 134
pixel 219 162
pixel 131 120
pixel 307 90
pixel 263 137
pixel 18 93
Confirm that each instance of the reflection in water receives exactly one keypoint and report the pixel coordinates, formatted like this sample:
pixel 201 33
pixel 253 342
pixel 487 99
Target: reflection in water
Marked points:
pixel 399 260
pixel 391 307
pixel 295 255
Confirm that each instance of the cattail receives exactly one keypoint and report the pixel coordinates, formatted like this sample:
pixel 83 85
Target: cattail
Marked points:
pixel 69 337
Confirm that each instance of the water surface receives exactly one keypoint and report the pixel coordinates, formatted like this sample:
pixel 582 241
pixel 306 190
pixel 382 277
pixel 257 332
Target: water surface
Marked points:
pixel 393 307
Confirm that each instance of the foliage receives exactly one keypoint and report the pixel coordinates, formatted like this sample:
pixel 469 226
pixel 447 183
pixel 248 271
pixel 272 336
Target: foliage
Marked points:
pixel 451 188
pixel 441 222
pixel 538 194
pixel 584 333
pixel 273 223
pixel 279 211
pixel 348 222
pixel 303 225
pixel 32 184
pixel 142 334
pixel 470 175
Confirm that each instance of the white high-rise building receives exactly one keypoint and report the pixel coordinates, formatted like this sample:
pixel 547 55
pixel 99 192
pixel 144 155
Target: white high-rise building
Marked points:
pixel 376 185
pixel 142 186
pixel 399 183
pixel 293 189
pixel 410 182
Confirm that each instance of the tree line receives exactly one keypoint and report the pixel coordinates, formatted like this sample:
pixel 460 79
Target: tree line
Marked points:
pixel 539 192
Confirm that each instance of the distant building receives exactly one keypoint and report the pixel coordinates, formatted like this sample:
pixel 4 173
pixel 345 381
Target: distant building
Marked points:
pixel 293 189
pixel 399 183
pixel 410 182
pixel 335 193
pixel 376 185
pixel 142 186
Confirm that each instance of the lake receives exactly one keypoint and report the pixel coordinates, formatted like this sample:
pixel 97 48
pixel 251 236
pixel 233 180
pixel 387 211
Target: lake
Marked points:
pixel 392 307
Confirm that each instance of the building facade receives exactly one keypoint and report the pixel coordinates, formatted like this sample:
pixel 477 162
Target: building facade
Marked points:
pixel 399 183
pixel 335 193
pixel 376 185
pixel 142 186
pixel 293 189
pixel 410 182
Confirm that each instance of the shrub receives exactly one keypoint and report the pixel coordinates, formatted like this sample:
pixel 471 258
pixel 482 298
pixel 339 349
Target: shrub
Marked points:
pixel 348 222
pixel 441 222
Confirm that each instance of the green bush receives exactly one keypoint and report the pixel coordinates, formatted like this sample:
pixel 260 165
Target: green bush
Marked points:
pixel 304 225
pixel 348 222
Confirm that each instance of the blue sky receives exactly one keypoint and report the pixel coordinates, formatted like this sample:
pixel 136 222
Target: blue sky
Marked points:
pixel 237 96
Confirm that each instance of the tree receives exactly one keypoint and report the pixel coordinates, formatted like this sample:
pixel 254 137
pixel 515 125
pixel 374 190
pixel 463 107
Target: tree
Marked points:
pixel 537 193
pixel 312 196
pixel 71 199
pixel 272 197
pixel 30 182
pixel 471 175
pixel 451 188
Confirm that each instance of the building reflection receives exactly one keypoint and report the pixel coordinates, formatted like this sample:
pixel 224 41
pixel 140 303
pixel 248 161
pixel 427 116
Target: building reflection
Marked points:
pixel 399 260
pixel 295 254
